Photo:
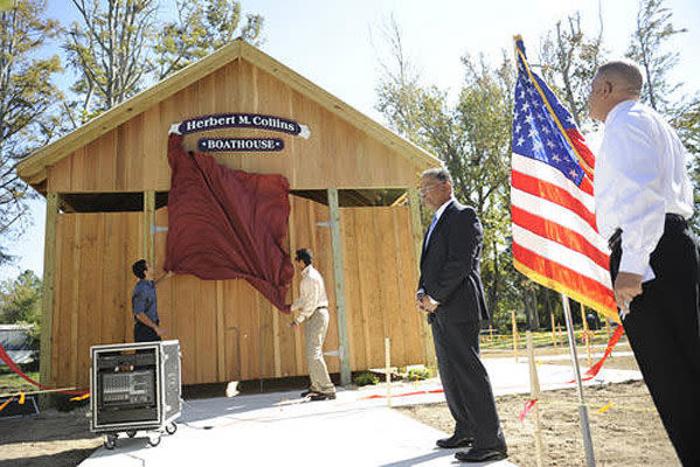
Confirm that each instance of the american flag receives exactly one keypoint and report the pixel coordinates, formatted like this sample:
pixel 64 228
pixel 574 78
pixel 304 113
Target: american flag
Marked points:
pixel 555 239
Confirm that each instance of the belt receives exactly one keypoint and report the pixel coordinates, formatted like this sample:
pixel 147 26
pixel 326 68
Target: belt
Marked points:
pixel 615 239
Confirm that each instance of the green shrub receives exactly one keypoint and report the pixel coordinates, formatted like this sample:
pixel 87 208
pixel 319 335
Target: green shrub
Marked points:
pixel 365 378
pixel 419 374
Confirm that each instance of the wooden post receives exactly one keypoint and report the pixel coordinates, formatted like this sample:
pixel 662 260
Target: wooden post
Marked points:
pixel 586 333
pixel 515 335
pixel 608 330
pixel 426 331
pixel 555 341
pixel 535 395
pixel 343 341
pixel 558 331
pixel 149 225
pixel 48 289
pixel 387 363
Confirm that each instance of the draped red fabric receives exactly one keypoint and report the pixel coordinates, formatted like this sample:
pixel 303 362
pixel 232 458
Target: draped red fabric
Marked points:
pixel 228 224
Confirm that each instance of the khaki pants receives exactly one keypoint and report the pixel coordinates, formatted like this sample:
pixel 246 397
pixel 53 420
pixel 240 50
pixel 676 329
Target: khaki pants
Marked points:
pixel 315 329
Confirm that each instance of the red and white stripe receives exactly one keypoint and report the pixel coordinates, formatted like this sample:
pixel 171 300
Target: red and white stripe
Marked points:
pixel 555 235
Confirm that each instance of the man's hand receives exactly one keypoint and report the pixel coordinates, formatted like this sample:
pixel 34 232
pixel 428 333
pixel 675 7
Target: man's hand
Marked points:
pixel 293 325
pixel 428 305
pixel 167 275
pixel 160 331
pixel 419 301
pixel 627 287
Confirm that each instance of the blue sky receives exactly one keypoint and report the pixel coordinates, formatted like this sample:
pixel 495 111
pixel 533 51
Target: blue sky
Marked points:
pixel 336 44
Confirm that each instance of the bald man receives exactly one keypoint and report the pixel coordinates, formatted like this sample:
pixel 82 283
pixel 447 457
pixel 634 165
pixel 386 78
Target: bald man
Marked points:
pixel 643 202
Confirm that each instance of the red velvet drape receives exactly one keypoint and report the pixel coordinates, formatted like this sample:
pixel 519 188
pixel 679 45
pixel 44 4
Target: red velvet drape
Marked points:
pixel 228 224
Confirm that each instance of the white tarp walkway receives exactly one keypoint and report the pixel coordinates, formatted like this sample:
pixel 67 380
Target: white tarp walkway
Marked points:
pixel 277 429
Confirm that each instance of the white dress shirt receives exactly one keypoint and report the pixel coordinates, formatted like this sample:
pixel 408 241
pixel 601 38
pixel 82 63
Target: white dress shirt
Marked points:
pixel 312 294
pixel 640 176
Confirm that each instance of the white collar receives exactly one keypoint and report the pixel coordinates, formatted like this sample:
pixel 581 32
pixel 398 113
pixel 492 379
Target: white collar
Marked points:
pixel 305 272
pixel 619 107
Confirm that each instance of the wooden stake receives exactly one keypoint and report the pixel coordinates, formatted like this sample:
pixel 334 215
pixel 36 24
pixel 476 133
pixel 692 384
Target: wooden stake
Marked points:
pixel 608 331
pixel 555 341
pixel 535 395
pixel 558 331
pixel 387 362
pixel 515 335
pixel 586 334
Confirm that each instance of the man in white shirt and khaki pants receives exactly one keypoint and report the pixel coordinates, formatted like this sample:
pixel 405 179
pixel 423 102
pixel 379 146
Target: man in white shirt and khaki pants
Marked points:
pixel 313 311
pixel 643 202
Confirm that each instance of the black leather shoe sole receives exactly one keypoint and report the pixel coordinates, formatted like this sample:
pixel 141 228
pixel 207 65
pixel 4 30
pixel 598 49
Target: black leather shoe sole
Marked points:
pixel 321 397
pixel 451 443
pixel 480 455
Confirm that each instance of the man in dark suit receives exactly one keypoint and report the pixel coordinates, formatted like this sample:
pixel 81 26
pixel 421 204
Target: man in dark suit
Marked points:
pixel 451 293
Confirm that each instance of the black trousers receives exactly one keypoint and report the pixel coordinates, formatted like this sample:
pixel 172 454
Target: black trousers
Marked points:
pixel 662 328
pixel 466 383
pixel 143 333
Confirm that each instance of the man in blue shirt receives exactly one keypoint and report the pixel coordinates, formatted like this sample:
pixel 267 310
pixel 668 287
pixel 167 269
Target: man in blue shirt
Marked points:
pixel 145 305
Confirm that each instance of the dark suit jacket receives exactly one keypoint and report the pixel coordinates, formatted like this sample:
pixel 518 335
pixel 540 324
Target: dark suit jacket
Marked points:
pixel 450 265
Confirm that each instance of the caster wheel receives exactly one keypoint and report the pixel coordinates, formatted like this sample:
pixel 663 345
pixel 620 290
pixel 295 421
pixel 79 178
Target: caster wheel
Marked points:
pixel 130 434
pixel 110 442
pixel 171 429
pixel 154 441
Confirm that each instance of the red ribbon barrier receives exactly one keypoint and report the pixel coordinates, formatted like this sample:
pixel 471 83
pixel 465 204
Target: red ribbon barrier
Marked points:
pixel 405 394
pixel 526 410
pixel 595 369
pixel 5 357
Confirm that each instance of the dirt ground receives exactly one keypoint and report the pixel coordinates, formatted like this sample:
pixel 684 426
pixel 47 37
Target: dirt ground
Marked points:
pixel 51 438
pixel 628 434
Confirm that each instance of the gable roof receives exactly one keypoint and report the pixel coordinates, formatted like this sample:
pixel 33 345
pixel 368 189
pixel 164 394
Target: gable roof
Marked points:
pixel 33 170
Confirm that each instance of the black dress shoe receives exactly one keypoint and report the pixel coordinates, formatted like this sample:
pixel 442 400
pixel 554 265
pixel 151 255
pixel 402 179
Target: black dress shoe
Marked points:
pixel 320 396
pixel 481 455
pixel 308 392
pixel 455 441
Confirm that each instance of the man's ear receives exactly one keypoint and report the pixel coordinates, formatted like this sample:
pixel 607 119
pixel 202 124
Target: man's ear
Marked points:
pixel 608 89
